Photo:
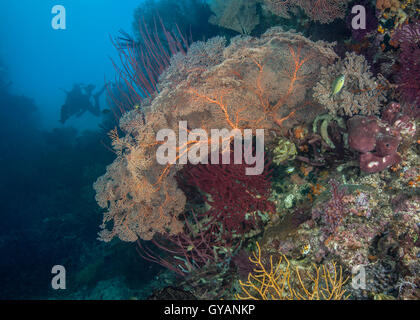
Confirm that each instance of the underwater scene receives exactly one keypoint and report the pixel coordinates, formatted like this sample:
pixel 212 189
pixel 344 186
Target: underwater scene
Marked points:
pixel 210 150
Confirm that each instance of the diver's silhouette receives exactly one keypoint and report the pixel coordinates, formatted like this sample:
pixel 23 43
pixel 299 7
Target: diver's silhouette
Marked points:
pixel 78 101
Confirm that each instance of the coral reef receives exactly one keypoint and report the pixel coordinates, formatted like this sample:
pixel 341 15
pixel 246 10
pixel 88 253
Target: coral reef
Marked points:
pixel 280 7
pixel 200 245
pixel 132 203
pixel 375 225
pixel 344 184
pixel 253 83
pixel 337 198
pixel 393 15
pixel 362 92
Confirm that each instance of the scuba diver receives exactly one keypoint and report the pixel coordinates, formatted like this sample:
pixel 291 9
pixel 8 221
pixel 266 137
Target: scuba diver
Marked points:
pixel 79 100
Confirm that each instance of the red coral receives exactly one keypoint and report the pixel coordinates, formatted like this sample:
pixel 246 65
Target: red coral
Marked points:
pixel 190 250
pixel 232 194
pixel 142 62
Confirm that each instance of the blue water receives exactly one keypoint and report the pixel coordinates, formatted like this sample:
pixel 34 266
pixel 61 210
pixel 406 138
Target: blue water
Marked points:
pixel 41 60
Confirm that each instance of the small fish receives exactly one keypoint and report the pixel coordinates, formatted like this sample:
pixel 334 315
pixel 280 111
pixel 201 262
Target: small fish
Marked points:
pixel 290 170
pixel 106 111
pixel 136 106
pixel 337 85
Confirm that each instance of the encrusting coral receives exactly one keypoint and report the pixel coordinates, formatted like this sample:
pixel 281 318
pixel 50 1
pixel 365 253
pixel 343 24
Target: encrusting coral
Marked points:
pixel 362 93
pixel 254 83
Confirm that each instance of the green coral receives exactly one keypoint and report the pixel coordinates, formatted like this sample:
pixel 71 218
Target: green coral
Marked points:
pixel 326 119
pixel 285 150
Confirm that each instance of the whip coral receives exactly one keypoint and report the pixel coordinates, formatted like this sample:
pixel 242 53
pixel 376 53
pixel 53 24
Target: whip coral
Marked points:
pixel 197 246
pixel 141 64
pixel 231 194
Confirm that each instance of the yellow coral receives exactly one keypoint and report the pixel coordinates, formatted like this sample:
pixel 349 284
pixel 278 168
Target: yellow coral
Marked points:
pixel 276 282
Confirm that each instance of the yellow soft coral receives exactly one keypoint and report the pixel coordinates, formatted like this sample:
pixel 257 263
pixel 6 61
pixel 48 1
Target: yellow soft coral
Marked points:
pixel 279 282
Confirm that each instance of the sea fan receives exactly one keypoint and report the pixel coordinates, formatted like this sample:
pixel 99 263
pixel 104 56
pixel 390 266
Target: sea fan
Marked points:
pixel 408 79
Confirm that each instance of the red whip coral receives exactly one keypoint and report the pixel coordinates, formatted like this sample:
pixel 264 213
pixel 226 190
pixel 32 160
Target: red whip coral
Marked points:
pixel 195 247
pixel 231 194
pixel 141 64
pixel 254 83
